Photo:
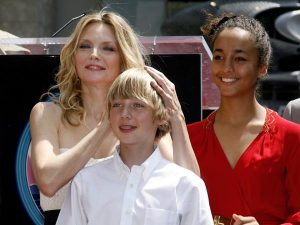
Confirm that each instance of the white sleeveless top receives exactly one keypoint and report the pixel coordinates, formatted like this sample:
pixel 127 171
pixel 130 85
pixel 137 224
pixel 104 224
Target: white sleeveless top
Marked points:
pixel 56 201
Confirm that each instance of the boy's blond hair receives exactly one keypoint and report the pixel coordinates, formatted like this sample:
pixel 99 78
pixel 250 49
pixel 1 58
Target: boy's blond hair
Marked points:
pixel 135 83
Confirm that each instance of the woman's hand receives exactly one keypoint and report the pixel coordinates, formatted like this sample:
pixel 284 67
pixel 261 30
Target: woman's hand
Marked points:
pixel 183 153
pixel 249 220
pixel 166 90
pixel 107 138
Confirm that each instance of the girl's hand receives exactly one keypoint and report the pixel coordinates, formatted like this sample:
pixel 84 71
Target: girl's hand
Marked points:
pixel 239 220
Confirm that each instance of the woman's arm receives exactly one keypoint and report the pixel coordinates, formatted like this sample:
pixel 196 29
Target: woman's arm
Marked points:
pixel 183 153
pixel 51 169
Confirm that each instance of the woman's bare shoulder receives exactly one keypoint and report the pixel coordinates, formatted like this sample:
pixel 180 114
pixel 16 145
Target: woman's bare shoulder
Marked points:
pixel 46 109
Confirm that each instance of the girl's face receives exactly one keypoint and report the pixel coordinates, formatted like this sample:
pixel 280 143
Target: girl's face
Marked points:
pixel 235 67
pixel 97 57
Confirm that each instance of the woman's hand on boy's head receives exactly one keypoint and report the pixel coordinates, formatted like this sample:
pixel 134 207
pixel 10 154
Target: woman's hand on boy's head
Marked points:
pixel 166 89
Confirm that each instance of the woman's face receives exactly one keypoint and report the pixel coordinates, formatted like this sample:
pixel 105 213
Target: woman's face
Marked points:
pixel 97 57
pixel 235 67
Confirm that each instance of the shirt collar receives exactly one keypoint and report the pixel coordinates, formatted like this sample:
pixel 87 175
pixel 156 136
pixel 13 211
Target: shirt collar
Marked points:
pixel 147 166
pixel 120 167
pixel 151 162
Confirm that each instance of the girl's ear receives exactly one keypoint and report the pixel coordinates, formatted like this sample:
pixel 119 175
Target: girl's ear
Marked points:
pixel 263 70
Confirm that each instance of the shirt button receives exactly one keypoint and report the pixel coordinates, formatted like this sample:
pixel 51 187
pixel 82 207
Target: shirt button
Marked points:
pixel 127 211
pixel 131 185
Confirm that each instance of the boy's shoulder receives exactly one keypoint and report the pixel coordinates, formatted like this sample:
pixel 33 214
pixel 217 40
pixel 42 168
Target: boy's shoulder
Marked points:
pixel 98 166
pixel 181 173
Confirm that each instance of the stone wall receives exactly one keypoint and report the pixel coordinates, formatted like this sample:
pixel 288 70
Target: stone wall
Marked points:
pixel 42 18
pixel 27 18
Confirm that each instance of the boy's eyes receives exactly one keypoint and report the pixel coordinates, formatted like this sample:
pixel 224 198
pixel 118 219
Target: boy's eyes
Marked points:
pixel 135 105
pixel 115 105
pixel 138 105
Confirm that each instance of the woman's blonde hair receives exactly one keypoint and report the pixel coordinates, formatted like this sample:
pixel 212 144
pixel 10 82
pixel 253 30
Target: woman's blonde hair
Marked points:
pixel 136 83
pixel 67 81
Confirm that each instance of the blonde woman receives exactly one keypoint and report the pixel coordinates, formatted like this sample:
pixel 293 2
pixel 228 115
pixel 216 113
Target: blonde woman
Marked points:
pixel 70 132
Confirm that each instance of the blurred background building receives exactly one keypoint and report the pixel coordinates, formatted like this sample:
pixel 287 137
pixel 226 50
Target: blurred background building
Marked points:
pixel 42 18
pixel 281 18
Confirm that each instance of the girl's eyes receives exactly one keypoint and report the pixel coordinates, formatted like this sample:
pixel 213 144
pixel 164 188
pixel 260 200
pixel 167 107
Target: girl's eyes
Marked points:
pixel 237 59
pixel 240 59
pixel 218 57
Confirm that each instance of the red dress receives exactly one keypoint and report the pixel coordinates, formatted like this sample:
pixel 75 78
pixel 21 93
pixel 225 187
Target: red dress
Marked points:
pixel 265 183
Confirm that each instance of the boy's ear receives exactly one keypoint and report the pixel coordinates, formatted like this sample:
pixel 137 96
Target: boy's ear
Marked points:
pixel 161 122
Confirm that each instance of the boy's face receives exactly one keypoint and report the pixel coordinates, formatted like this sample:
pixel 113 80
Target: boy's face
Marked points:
pixel 132 122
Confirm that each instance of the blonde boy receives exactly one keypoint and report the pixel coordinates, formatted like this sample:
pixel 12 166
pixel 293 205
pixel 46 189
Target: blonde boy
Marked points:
pixel 136 185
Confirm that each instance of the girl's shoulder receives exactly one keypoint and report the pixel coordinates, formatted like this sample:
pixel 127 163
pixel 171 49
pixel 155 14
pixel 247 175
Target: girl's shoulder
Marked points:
pixel 275 122
pixel 206 123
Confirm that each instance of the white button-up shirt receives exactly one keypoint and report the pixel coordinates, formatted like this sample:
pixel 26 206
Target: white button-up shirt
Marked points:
pixel 158 192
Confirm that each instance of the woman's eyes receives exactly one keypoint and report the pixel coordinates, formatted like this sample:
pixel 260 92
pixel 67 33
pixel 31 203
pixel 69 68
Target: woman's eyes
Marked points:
pixel 84 46
pixel 108 48
pixel 102 48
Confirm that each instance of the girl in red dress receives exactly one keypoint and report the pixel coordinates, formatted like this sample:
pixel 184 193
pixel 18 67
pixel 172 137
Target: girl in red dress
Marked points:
pixel 248 155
